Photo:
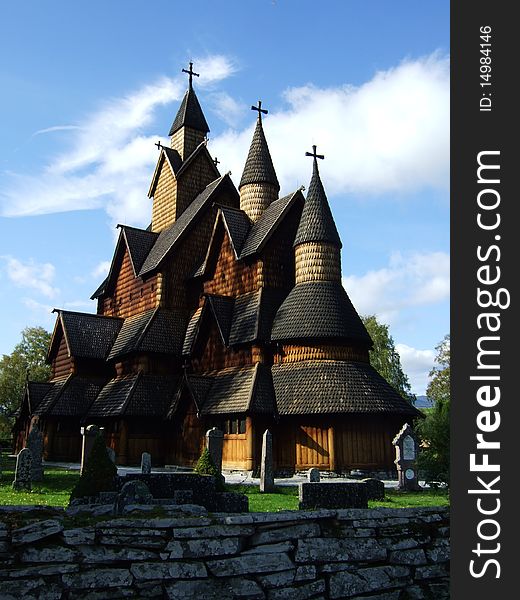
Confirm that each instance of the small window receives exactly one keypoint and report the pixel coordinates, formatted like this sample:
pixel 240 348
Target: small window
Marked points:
pixel 241 426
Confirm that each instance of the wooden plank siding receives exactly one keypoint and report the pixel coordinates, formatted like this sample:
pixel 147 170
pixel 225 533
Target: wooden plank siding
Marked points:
pixel 131 295
pixel 61 362
pixel 229 277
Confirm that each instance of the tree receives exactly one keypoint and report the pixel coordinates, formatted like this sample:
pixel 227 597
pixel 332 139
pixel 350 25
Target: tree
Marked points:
pixel 26 360
pixel 99 474
pixel 434 430
pixel 385 358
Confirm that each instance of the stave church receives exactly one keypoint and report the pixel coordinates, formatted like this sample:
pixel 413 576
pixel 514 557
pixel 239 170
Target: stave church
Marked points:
pixel 228 311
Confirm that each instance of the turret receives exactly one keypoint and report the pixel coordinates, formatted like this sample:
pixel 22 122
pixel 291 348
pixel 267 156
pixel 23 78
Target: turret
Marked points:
pixel 189 127
pixel 317 244
pixel 259 185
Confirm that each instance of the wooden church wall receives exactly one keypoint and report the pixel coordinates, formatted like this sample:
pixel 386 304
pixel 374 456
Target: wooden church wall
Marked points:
pixel 348 443
pixel 187 257
pixel 131 295
pixel 185 434
pixel 215 356
pixel 231 277
pixel 276 268
pixel 163 207
pixel 197 176
pixel 61 363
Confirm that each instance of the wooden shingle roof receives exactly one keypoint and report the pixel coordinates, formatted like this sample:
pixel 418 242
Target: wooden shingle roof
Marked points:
pixel 259 164
pixel 76 397
pixel 169 237
pixel 335 387
pixel 319 310
pixel 87 335
pixel 317 223
pixel 189 114
pixel 268 222
pixel 155 330
pixel 135 395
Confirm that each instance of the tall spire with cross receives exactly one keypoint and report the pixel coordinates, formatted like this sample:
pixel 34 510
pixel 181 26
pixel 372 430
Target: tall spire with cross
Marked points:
pixel 189 126
pixel 317 243
pixel 259 185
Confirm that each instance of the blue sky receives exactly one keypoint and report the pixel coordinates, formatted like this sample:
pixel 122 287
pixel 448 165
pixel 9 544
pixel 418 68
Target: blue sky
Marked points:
pixel 87 88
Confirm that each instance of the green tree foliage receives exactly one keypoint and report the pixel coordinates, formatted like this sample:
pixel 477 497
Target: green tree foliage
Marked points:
pixel 434 430
pixel 26 360
pixel 385 358
pixel 99 474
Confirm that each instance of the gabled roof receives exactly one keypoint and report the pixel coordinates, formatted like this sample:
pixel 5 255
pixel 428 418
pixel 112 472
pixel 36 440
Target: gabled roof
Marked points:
pixel 268 222
pixel 222 309
pixel 170 236
pixel 86 335
pixel 317 223
pixel 189 114
pixel 335 387
pixel 36 392
pixel 240 390
pixel 177 166
pixel 241 320
pixel 135 395
pixel 138 242
pixel 52 395
pixel 319 310
pixel 236 224
pixel 253 315
pixel 76 397
pixel 155 330
pixel 259 164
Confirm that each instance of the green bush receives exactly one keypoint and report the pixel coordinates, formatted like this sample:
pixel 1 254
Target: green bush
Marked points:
pixel 99 474
pixel 206 466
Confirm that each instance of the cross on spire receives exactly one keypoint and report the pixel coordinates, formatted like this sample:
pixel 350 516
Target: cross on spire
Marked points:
pixel 313 153
pixel 159 145
pixel 216 161
pixel 260 109
pixel 191 73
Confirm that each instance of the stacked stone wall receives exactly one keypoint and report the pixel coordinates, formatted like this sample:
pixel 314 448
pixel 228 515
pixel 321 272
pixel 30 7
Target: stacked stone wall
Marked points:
pixel 374 554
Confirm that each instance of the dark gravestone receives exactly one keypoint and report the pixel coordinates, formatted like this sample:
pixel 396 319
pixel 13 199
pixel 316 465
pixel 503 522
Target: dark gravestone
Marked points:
pixel 89 434
pixel 266 465
pixel 406 451
pixel 333 495
pixel 375 489
pixel 146 463
pixel 313 475
pixel 133 492
pixel 35 445
pixel 214 444
pixel 22 475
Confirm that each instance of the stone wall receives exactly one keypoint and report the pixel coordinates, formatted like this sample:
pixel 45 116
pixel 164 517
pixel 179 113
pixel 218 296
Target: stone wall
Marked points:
pixel 374 554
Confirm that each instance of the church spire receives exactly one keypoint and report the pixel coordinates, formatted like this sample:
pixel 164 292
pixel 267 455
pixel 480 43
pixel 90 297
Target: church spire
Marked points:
pixel 317 243
pixel 189 127
pixel 259 185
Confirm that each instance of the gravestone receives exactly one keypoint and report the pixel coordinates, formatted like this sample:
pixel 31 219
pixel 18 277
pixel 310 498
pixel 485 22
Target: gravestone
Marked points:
pixel 313 475
pixel 214 444
pixel 35 445
pixel 406 451
pixel 146 463
pixel 22 475
pixel 89 434
pixel 111 454
pixel 266 466
pixel 346 494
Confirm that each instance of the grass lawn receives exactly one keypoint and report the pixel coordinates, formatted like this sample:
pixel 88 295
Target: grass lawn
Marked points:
pixel 286 498
pixel 55 490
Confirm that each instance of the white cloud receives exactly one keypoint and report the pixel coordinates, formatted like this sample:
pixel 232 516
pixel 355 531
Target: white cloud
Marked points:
pixel 101 270
pixel 416 364
pixel 110 161
pixel 389 134
pixel 36 276
pixel 408 280
pixel 227 108
pixel 56 128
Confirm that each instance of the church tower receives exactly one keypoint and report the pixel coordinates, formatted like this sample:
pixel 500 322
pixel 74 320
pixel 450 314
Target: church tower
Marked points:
pixel 259 185
pixel 184 169
pixel 189 127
